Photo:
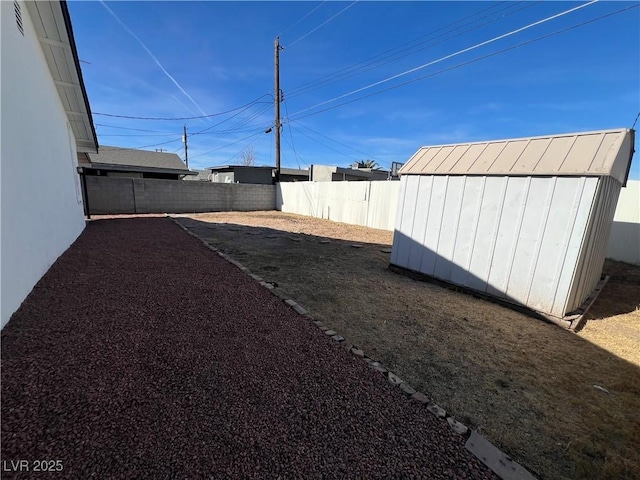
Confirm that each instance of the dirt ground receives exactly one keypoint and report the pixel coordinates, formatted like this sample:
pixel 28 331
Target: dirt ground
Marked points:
pixel 529 386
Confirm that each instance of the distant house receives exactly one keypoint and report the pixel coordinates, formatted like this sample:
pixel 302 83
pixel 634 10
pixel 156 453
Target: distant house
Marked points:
pixel 46 121
pixel 133 163
pixel 241 174
pixel 257 175
pixel 328 173
pixel 294 175
pixel 200 176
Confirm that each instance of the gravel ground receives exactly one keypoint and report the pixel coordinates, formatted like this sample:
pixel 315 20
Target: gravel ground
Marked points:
pixel 141 354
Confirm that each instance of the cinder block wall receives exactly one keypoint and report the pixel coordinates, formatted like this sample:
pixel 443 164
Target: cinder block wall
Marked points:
pixel 108 195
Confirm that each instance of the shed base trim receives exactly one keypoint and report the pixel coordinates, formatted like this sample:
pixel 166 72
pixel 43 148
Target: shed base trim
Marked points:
pixel 573 321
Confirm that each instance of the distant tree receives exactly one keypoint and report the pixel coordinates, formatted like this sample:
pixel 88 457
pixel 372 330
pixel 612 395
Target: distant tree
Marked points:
pixel 368 164
pixel 248 157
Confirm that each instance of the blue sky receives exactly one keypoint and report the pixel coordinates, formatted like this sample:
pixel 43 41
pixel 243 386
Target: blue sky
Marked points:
pixel 186 59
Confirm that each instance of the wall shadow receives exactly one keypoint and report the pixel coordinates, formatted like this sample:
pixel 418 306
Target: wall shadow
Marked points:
pixel 465 282
pixel 551 359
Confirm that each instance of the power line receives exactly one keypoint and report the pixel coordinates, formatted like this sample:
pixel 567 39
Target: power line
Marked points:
pixel 513 47
pixel 305 16
pixel 227 145
pixel 322 24
pixel 446 57
pixel 340 143
pixel 127 128
pixel 228 131
pixel 360 67
pixel 635 121
pixel 237 126
pixel 182 118
pixel 219 133
pixel 327 146
pixel 228 160
pixel 136 134
pixel 395 57
pixel 227 119
pixel 144 146
pixel 293 147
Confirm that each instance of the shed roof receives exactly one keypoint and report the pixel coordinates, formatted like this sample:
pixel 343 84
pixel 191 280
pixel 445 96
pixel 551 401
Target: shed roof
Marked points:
pixel 599 153
pixel 142 160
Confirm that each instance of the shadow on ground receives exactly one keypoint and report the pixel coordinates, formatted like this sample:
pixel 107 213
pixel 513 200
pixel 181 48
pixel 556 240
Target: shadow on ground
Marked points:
pixel 528 385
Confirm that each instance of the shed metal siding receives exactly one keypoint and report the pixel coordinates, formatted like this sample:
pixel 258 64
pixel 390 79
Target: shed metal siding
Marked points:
pixel 516 238
pixel 595 241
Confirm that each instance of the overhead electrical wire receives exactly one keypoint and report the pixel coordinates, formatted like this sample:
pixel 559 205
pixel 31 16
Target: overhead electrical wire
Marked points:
pixel 327 146
pixel 233 129
pixel 295 153
pixel 635 121
pixel 142 146
pixel 249 120
pixel 453 67
pixel 136 134
pixel 226 162
pixel 391 49
pixel 359 67
pixel 340 143
pixel 446 57
pixel 322 24
pixel 228 145
pixel 397 57
pixel 227 119
pixel 183 118
pixel 237 127
pixel 127 128
pixel 299 20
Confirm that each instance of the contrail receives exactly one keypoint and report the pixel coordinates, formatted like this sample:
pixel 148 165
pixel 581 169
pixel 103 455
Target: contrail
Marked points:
pixel 152 56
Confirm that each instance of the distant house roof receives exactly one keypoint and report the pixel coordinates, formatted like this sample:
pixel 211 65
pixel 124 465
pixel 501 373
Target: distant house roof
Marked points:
pixel 294 171
pixel 599 153
pixel 200 176
pixel 233 167
pixel 129 159
pixel 52 24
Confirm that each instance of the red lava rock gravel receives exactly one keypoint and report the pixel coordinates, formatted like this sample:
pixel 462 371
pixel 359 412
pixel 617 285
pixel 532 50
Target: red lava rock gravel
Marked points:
pixel 142 354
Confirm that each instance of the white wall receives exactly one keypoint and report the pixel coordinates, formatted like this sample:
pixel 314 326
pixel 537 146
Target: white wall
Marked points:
pixel 370 204
pixel 345 202
pixel 624 242
pixel 42 212
pixel 517 238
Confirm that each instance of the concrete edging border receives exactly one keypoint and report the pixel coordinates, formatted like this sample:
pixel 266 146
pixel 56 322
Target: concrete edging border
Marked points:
pixel 491 456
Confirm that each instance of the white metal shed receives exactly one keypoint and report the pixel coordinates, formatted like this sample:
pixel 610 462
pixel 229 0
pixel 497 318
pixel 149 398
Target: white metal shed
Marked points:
pixel 525 220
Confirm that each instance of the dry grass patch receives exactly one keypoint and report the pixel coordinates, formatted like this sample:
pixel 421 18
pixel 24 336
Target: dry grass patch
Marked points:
pixel 527 385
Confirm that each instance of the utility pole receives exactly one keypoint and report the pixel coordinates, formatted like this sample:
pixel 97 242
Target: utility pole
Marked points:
pixel 277 100
pixel 186 151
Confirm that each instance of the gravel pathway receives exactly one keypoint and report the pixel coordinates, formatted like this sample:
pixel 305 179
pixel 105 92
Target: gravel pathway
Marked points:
pixel 141 354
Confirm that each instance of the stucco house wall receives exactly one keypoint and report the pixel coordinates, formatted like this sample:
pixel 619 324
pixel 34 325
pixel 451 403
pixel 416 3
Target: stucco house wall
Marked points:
pixel 41 200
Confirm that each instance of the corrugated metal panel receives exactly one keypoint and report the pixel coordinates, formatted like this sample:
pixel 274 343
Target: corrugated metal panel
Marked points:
pixel 517 238
pixel 596 237
pixel 600 153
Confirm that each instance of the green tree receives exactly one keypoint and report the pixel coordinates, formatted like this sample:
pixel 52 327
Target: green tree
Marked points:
pixel 368 164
